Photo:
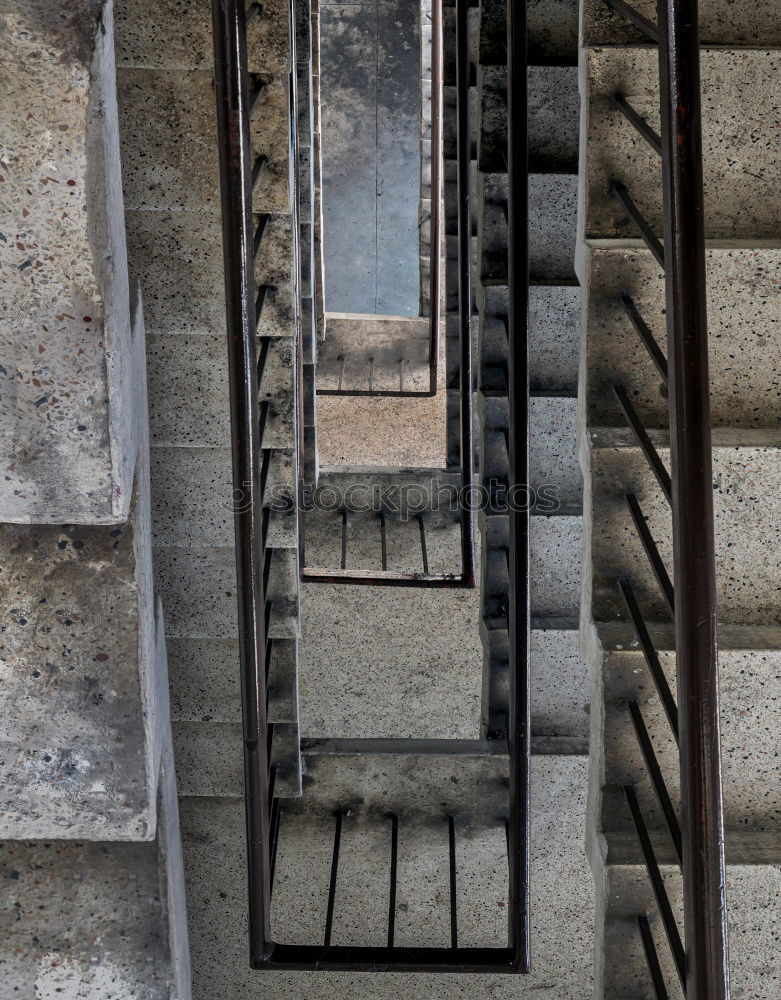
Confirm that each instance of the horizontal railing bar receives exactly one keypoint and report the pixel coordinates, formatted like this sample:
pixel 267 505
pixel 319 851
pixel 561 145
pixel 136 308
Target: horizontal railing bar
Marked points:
pixel 657 884
pixel 636 119
pixel 652 959
pixel 657 780
pixel 649 236
pixel 651 550
pixel 648 28
pixel 388 579
pixel 349 958
pixel 644 441
pixel 377 393
pixel 650 654
pixel 644 332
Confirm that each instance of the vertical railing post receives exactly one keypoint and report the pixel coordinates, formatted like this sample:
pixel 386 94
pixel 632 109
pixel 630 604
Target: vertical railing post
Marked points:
pixel 231 88
pixel 519 607
pixel 435 231
pixel 705 914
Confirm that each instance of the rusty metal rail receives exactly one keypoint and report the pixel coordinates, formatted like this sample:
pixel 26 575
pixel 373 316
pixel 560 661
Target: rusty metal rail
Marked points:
pixel 701 959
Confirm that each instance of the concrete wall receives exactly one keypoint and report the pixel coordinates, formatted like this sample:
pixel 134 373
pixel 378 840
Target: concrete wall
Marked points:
pixel 82 687
pixel 68 364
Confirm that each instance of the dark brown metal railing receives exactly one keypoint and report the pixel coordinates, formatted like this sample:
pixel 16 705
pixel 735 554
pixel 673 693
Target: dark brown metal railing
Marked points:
pixel 701 959
pixel 243 303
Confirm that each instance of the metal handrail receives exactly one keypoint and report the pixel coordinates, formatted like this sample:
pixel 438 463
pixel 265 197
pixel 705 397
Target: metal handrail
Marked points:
pixel 519 562
pixel 262 808
pixel 231 81
pixel 699 832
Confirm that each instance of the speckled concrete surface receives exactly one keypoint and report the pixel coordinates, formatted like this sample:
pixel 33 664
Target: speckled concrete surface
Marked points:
pixel 747 483
pixel 750 681
pixel 83 920
pixel 554 332
pixel 78 681
pixel 102 920
pixel 363 351
pixel 743 328
pixel 553 30
pixel 721 22
pixel 555 565
pixel 552 228
pixel 562 901
pixel 553 112
pixel 740 98
pixel 754 893
pixel 68 443
pixel 420 670
pixel 552 456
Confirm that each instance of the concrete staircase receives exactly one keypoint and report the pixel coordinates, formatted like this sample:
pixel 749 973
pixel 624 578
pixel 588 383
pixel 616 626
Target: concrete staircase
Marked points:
pixel 553 333
pixel 167 104
pixel 742 226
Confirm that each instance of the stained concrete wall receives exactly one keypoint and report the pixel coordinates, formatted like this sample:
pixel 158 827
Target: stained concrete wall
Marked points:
pixel 68 365
pixel 82 687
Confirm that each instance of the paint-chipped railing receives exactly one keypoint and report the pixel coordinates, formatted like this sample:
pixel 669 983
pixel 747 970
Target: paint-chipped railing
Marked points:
pixel 699 956
pixel 243 233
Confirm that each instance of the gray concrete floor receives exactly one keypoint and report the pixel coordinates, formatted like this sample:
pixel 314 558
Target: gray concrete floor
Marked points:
pixel 370 86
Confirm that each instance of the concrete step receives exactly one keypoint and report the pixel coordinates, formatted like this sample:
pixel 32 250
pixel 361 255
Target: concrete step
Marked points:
pixel 745 349
pixel 552 214
pixel 554 117
pixel 188 391
pixel 747 479
pixel 742 200
pixel 418 511
pixel 80 632
pixel 553 458
pixel 152 35
pixel 750 685
pixel 354 341
pixel 553 31
pixel 202 514
pixel 97 919
pixel 198 588
pixel 555 576
pixel 753 894
pixel 204 680
pixel 173 112
pixel 719 24
pixel 553 113
pixel 554 333
pixel 562 890
pixel 560 687
pixel 210 759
